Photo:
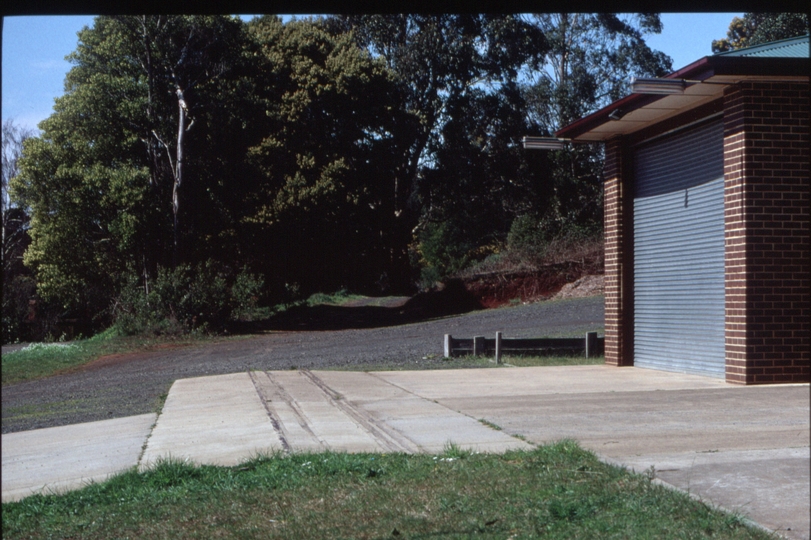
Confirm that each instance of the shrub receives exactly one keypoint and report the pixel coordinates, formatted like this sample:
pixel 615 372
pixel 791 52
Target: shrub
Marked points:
pixel 184 299
pixel 445 250
pixel 529 235
pixel 245 294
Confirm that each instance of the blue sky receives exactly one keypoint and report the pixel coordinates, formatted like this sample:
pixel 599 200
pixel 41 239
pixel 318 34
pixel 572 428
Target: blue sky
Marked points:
pixel 34 67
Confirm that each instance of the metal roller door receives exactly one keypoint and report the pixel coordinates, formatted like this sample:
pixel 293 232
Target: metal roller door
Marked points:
pixel 679 251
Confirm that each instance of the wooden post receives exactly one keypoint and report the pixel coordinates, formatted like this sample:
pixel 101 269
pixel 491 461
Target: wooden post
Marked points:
pixel 478 345
pixel 498 347
pixel 448 348
pixel 591 344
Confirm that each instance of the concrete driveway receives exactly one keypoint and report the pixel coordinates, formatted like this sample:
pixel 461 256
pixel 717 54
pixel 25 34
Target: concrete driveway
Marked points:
pixel 743 448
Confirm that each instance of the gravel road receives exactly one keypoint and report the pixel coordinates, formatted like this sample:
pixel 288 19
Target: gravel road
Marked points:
pixel 125 385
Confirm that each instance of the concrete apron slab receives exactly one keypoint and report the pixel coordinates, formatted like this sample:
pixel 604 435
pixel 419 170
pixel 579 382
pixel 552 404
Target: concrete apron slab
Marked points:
pixel 59 459
pixel 215 420
pixel 225 419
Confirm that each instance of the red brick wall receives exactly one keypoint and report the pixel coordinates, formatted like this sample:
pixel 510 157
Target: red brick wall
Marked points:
pixel 767 212
pixel 617 200
pixel 767 196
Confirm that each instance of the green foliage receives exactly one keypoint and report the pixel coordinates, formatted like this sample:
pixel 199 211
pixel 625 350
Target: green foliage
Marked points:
pixel 460 116
pixel 321 197
pixel 758 28
pixel 245 293
pixel 99 180
pixel 314 151
pixel 445 250
pixel 19 286
pixel 557 490
pixel 539 238
pixel 184 299
pixel 337 298
pixel 528 234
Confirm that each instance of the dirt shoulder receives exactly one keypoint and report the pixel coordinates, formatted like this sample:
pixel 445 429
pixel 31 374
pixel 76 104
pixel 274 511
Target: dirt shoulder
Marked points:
pixel 125 385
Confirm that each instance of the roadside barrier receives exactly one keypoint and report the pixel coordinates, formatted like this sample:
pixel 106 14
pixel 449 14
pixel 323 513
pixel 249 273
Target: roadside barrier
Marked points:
pixel 592 345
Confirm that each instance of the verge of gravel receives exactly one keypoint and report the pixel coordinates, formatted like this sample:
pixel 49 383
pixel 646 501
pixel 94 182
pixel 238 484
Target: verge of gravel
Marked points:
pixel 126 385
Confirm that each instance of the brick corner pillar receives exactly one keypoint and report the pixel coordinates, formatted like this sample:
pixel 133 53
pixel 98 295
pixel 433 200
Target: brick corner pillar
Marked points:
pixel 767 222
pixel 618 227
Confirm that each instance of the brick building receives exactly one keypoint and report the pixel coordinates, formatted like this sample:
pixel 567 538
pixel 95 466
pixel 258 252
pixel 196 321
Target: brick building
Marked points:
pixel 707 213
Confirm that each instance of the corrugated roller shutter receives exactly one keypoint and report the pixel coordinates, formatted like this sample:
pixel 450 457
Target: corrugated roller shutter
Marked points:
pixel 679 252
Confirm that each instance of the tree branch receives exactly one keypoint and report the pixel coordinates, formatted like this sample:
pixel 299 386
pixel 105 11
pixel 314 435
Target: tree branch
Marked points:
pixel 168 154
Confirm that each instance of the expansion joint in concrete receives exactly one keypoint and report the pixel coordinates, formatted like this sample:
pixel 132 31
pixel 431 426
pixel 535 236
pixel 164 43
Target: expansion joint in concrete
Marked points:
pixel 265 399
pixel 275 391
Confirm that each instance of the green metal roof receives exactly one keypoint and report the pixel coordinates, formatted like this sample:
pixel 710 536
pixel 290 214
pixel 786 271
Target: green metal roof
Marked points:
pixel 785 48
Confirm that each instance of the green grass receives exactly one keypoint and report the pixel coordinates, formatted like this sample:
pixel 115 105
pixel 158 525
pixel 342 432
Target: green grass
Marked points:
pixel 463 362
pixel 535 361
pixel 555 491
pixel 335 299
pixel 40 360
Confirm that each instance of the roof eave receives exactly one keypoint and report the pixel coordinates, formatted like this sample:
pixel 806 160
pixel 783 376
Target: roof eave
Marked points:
pixel 700 70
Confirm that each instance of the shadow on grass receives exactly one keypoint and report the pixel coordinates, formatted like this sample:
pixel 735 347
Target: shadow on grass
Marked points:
pixel 453 299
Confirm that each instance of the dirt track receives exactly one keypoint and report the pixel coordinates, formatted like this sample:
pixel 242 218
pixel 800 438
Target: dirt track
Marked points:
pixel 132 384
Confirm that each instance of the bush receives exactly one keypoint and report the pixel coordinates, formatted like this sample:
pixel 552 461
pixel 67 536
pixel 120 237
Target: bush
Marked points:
pixel 539 240
pixel 185 299
pixel 245 294
pixel 445 250
pixel 529 235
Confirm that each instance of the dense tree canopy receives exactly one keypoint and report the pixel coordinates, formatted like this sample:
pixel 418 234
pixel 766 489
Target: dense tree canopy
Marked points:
pixel 348 151
pixel 757 28
pixel 102 181
pixel 321 197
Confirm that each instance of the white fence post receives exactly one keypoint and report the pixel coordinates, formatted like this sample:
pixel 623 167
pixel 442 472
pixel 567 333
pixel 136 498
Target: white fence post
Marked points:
pixel 448 350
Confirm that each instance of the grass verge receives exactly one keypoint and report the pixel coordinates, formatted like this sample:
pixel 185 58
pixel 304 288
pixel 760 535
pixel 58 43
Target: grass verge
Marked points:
pixel 464 362
pixel 554 491
pixel 537 361
pixel 40 360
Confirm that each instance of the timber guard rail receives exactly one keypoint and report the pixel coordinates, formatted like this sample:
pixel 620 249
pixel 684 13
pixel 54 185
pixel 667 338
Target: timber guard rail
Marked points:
pixel 591 345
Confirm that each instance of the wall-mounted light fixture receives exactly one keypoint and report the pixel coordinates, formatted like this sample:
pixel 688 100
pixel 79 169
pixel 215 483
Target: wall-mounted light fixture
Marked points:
pixel 616 114
pixel 543 143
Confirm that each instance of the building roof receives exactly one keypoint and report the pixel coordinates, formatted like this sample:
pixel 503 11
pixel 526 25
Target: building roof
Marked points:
pixel 638 111
pixel 797 47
